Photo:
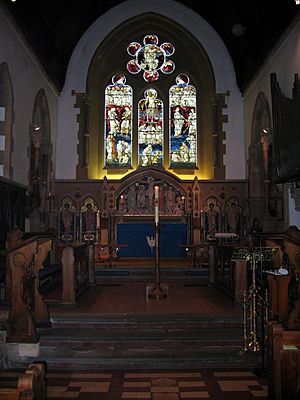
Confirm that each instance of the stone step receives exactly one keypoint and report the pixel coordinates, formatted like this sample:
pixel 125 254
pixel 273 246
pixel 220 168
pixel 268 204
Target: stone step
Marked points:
pixel 147 358
pixel 129 335
pixel 147 273
pixel 142 342
pixel 150 321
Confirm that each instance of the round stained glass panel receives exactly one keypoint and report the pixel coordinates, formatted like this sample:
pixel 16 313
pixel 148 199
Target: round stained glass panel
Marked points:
pixel 150 39
pixel 133 47
pixel 168 67
pixel 168 48
pixel 150 57
pixel 150 76
pixel 132 67
pixel 182 79
pixel 118 79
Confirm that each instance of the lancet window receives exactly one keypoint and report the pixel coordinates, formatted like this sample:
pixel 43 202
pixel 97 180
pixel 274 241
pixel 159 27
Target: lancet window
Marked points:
pixel 118 123
pixel 183 123
pixel 150 129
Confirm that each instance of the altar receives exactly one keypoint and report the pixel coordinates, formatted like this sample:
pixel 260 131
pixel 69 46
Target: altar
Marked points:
pixel 135 235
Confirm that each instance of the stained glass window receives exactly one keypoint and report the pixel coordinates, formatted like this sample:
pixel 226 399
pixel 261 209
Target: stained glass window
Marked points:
pixel 183 123
pixel 150 129
pixel 151 58
pixel 118 123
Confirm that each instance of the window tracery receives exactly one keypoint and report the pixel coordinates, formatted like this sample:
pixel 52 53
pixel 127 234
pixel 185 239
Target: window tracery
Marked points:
pixel 151 138
pixel 150 58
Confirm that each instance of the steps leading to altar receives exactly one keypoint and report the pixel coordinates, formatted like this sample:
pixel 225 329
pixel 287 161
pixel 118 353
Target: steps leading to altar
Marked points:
pixel 151 342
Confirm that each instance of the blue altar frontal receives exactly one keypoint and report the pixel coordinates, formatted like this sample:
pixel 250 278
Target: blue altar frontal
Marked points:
pixel 135 236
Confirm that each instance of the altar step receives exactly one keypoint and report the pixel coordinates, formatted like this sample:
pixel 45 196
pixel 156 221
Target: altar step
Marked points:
pixel 145 342
pixel 147 274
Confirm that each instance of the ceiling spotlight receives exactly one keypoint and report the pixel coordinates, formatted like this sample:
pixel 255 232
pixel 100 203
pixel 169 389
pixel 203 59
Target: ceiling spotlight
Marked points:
pixel 297 2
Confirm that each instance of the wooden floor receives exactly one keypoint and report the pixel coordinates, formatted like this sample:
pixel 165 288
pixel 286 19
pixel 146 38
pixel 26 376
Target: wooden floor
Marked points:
pixel 118 296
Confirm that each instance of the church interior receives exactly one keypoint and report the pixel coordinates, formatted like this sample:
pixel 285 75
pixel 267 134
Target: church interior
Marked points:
pixel 149 199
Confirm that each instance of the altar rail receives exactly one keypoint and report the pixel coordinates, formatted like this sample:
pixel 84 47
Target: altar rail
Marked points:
pixel 31 385
pixel 283 359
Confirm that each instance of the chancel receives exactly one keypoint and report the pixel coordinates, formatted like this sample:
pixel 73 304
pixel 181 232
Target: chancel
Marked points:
pixel 150 198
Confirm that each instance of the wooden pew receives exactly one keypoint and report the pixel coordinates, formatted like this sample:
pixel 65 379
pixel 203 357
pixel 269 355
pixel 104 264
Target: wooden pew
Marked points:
pixel 31 385
pixel 279 297
pixel 21 326
pixel 283 361
pixel 41 312
pixel 27 308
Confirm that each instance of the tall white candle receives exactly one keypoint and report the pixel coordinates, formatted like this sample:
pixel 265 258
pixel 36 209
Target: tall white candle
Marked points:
pixel 156 196
pixel 98 220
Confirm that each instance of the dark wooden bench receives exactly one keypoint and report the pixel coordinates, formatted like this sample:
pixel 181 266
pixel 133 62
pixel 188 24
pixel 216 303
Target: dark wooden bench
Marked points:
pixel 30 385
pixel 283 362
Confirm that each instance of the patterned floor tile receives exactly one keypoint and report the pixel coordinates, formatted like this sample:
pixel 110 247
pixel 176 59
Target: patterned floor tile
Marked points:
pixel 152 385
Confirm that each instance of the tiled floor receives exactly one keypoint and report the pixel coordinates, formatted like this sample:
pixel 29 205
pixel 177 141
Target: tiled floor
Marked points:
pixel 156 385
pixel 175 385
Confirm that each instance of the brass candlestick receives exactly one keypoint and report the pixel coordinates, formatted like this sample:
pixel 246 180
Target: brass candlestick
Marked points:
pixel 156 292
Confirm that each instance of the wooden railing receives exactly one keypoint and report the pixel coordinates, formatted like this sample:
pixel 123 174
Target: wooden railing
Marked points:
pixel 27 309
pixel 31 385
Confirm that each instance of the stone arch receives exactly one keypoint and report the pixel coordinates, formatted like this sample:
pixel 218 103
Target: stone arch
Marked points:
pixel 6 121
pixel 79 67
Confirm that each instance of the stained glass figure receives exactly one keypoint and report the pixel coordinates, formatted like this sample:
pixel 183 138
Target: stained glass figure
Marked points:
pixel 183 123
pixel 150 57
pixel 118 123
pixel 150 129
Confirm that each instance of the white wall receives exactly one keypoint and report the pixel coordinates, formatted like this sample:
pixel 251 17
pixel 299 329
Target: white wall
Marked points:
pixel 284 60
pixel 27 79
pixel 90 41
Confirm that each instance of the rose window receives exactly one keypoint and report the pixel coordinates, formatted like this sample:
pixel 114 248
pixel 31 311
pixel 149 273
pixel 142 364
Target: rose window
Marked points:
pixel 150 58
